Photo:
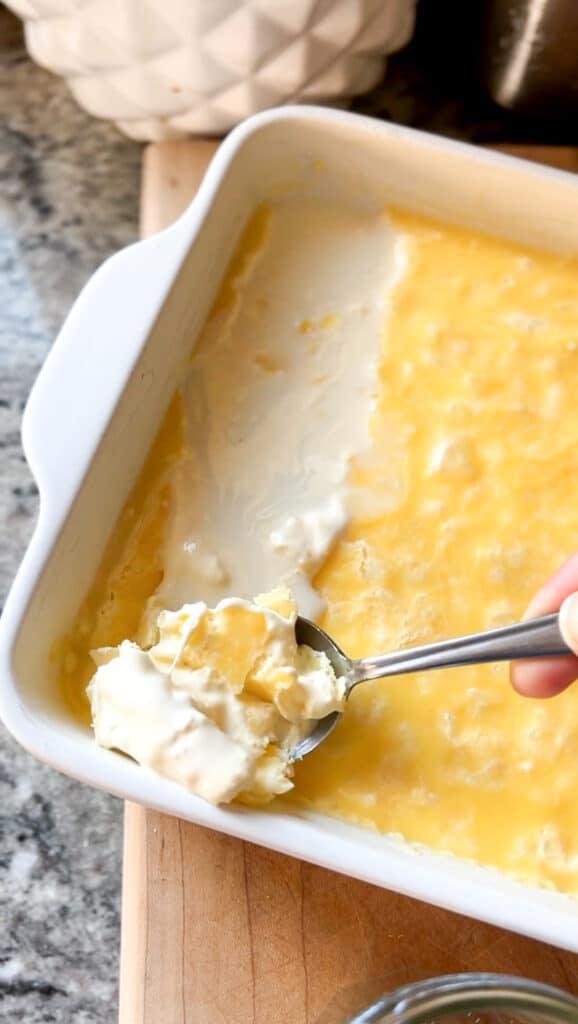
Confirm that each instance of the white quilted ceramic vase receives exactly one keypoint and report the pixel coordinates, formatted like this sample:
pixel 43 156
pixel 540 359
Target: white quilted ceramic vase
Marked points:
pixel 163 69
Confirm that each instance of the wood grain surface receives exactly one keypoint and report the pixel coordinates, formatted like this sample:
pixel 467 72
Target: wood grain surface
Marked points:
pixel 216 931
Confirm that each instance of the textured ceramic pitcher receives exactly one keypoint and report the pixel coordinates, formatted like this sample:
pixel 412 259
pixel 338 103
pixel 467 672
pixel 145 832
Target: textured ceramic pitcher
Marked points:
pixel 166 69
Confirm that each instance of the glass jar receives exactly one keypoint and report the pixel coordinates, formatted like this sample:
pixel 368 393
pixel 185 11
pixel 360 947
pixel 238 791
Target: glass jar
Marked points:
pixel 473 999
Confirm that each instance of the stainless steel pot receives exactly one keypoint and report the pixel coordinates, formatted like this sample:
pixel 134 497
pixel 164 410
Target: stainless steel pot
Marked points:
pixel 530 55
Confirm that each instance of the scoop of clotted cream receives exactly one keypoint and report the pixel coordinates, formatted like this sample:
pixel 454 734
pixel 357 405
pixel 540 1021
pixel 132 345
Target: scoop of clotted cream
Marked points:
pixel 219 700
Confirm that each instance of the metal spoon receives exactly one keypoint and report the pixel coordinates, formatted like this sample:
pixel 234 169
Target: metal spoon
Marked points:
pixel 536 638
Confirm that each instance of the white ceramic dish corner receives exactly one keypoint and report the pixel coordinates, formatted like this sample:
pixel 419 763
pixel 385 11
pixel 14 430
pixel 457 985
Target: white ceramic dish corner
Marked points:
pixel 100 397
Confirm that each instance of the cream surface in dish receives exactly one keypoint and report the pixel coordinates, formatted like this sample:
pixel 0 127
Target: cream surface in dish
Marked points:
pixel 219 701
pixel 292 342
pixel 380 411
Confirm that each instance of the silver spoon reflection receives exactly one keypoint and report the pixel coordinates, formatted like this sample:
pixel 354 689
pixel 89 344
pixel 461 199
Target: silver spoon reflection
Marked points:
pixel 535 638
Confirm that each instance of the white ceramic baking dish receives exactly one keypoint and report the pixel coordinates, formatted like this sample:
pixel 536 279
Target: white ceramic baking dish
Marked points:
pixel 100 397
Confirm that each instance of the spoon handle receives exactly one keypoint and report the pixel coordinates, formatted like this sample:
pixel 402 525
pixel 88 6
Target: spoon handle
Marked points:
pixel 535 638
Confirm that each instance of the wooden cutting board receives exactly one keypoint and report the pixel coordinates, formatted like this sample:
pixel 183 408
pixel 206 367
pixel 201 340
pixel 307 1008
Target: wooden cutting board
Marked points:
pixel 216 931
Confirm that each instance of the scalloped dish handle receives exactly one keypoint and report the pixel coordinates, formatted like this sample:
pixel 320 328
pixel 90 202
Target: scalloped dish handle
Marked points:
pixel 79 385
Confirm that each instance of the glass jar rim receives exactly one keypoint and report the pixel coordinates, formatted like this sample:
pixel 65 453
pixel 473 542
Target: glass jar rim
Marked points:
pixel 435 998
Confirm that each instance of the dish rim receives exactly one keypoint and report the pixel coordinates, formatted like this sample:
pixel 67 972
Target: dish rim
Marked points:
pixel 382 863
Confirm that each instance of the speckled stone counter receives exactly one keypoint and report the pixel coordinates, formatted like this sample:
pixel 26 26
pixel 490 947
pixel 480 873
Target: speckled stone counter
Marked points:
pixel 68 197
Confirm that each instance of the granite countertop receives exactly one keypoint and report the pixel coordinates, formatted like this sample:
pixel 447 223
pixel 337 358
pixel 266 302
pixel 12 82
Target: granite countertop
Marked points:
pixel 69 188
pixel 68 197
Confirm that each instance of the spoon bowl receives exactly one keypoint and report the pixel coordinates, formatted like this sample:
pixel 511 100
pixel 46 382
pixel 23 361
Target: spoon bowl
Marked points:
pixel 309 635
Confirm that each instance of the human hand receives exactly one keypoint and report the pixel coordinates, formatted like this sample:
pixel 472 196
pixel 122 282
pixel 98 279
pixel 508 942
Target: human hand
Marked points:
pixel 545 677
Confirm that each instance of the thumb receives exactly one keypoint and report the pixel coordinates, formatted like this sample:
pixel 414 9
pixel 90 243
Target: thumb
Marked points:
pixel 545 677
pixel 568 621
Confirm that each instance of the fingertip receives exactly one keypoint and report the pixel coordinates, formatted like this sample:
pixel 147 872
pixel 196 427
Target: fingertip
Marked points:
pixel 543 677
pixel 568 620
pixel 539 605
pixel 555 590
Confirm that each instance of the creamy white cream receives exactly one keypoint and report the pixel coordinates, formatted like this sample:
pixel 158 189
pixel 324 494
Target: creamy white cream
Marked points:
pixel 137 709
pixel 263 494
pixel 278 398
pixel 211 706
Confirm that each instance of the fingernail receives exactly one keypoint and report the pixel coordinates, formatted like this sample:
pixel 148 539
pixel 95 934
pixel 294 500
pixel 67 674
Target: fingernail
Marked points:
pixel 568 621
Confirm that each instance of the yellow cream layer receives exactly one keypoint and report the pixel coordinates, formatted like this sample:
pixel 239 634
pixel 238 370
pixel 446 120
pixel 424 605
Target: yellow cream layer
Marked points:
pixel 131 569
pixel 459 508
pixel 474 479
